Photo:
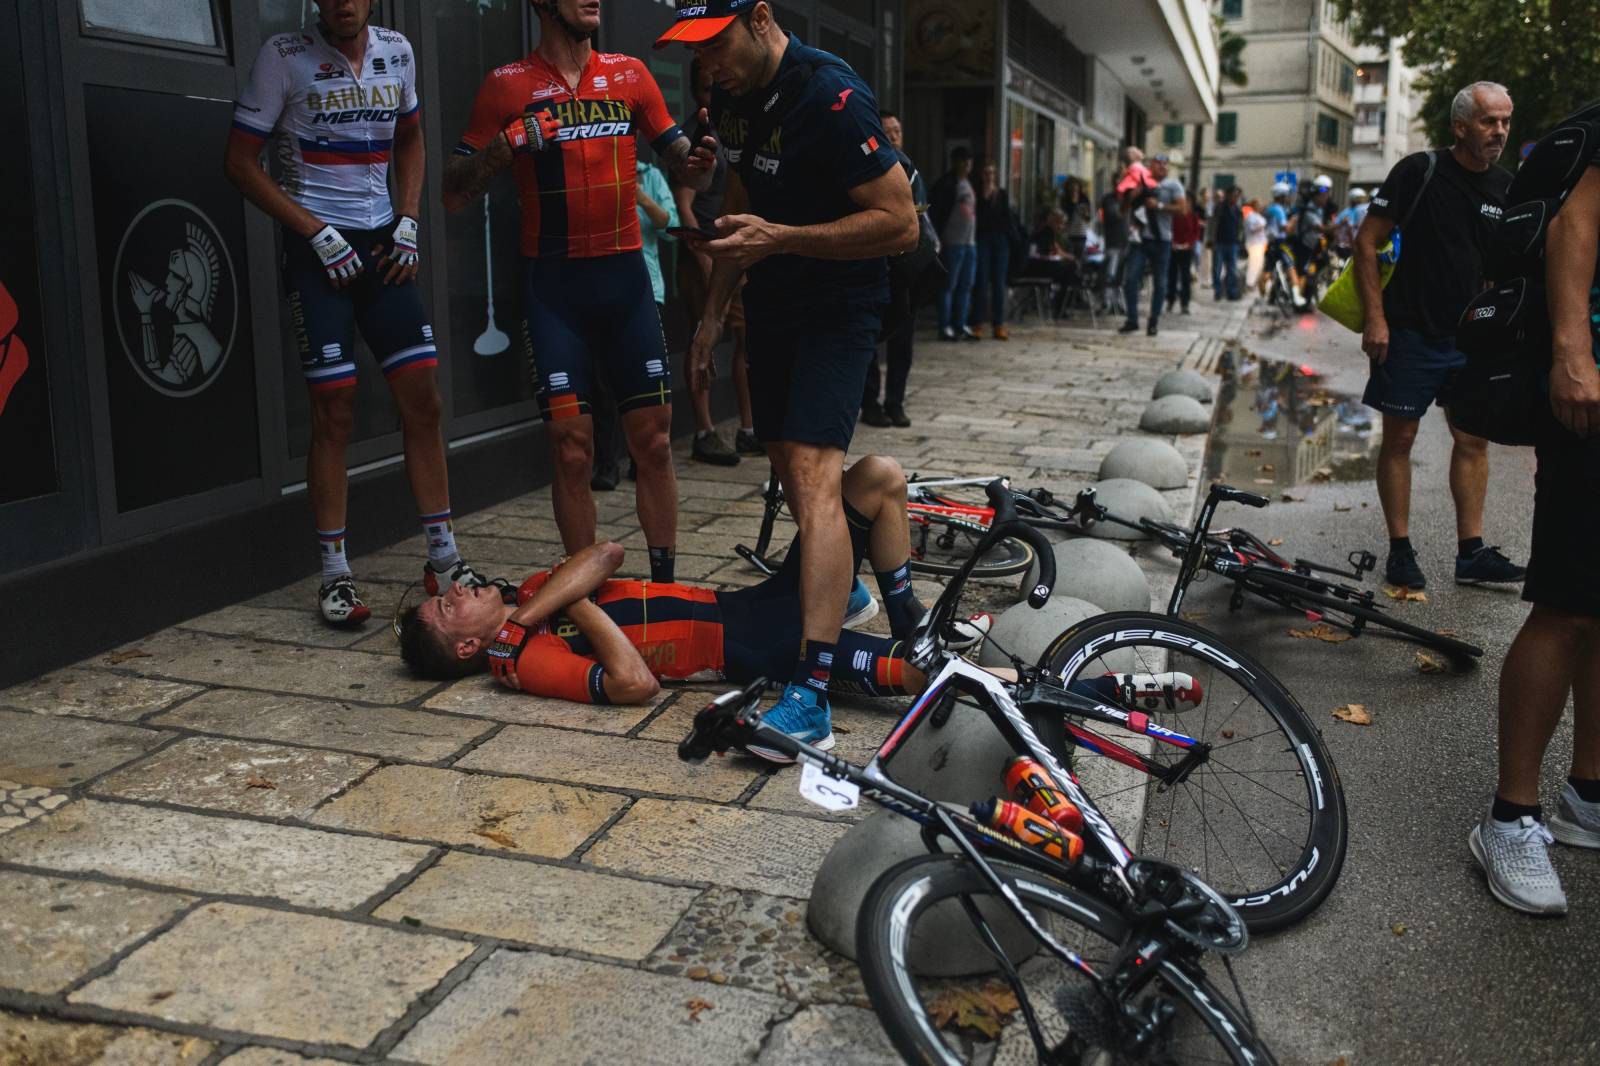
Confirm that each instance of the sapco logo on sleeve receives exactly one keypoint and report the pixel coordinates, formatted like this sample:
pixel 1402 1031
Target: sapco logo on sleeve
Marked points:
pixel 175 298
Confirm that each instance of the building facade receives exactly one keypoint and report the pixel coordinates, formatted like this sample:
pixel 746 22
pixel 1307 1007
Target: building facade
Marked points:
pixel 122 109
pixel 1388 114
pixel 1295 116
pixel 1051 88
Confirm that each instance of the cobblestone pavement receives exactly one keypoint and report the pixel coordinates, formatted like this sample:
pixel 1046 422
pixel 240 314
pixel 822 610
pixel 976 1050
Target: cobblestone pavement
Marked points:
pixel 254 839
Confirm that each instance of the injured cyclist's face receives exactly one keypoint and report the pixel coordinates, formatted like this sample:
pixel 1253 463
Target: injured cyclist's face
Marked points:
pixel 465 618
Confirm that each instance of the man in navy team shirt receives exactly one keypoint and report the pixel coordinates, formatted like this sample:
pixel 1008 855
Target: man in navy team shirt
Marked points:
pixel 815 201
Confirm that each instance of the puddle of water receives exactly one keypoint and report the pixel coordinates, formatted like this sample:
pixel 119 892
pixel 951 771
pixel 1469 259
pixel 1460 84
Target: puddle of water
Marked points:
pixel 1277 425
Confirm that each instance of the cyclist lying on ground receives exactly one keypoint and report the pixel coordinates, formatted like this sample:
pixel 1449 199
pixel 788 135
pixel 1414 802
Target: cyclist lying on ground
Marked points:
pixel 576 634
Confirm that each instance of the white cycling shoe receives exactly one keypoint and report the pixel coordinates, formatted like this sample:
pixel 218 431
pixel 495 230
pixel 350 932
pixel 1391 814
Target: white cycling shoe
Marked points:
pixel 1575 822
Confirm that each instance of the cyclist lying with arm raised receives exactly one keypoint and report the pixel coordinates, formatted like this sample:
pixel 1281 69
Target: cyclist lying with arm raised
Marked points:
pixel 613 648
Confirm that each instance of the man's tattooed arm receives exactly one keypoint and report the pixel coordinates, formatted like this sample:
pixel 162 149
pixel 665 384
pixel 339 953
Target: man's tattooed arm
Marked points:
pixel 676 157
pixel 467 177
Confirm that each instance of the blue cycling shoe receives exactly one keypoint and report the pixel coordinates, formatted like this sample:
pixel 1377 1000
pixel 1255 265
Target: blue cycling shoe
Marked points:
pixel 803 714
pixel 862 607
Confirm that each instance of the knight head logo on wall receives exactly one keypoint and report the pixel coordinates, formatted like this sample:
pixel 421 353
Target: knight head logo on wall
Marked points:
pixel 176 298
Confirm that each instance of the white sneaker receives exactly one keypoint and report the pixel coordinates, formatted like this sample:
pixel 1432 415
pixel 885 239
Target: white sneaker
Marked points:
pixel 1515 857
pixel 1576 823
pixel 339 604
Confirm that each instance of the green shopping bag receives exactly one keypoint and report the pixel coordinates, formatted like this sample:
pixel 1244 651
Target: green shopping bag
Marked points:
pixel 1342 302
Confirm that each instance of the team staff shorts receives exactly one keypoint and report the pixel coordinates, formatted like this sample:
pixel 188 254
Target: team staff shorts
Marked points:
pixel 1413 376
pixel 806 377
pixel 594 316
pixel 324 318
pixel 1564 571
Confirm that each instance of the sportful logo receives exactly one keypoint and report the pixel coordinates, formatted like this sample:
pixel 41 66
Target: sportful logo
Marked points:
pixel 178 331
pixel 861 659
pixel 600 81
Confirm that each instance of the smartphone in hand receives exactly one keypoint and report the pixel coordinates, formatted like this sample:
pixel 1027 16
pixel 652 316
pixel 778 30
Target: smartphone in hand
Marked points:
pixel 687 233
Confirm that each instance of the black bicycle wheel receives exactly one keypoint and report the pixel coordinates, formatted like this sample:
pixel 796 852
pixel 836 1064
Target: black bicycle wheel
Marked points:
pixel 1261 816
pixel 913 922
pixel 948 544
pixel 1300 593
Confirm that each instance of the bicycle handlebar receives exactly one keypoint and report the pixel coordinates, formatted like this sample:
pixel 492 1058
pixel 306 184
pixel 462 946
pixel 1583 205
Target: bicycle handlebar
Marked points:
pixel 1006 523
pixel 1232 495
pixel 721 724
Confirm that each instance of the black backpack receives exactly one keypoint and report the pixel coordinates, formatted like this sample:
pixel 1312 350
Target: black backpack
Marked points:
pixel 1502 393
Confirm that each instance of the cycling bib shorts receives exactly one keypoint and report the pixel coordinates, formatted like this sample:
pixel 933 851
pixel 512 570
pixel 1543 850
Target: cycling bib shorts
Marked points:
pixel 594 316
pixel 323 318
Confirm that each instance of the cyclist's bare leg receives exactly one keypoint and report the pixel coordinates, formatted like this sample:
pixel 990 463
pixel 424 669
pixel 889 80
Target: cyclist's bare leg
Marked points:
pixel 1394 473
pixel 572 452
pixel 649 433
pixel 416 396
pixel 1540 670
pixel 332 421
pixel 812 477
pixel 875 486
pixel 1469 482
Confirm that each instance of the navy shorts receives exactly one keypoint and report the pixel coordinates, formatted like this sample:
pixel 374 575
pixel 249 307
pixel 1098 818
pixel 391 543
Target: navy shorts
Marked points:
pixel 594 316
pixel 806 379
pixel 324 319
pixel 1564 571
pixel 1413 376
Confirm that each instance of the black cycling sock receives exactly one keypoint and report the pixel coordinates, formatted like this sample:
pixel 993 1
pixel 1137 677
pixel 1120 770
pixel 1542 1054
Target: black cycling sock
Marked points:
pixel 814 667
pixel 1467 548
pixel 1506 811
pixel 662 563
pixel 1399 544
pixel 905 610
pixel 1588 791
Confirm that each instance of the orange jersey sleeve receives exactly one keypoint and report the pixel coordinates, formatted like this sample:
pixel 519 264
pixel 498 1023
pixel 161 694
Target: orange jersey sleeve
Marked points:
pixel 541 663
pixel 490 114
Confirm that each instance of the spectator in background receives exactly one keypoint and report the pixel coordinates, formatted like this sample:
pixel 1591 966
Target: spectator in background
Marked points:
pixel 1153 208
pixel 1228 230
pixel 1186 231
pixel 1255 242
pixel 955 217
pixel 1348 221
pixel 699 209
pixel 657 214
pixel 1114 239
pixel 1049 255
pixel 994 252
pixel 900 322
pixel 1078 208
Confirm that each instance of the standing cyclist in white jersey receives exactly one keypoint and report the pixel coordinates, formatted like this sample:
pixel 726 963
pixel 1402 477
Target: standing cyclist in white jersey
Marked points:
pixel 337 102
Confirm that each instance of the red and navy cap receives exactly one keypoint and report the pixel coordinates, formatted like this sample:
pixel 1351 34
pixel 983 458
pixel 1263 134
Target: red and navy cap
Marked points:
pixel 701 20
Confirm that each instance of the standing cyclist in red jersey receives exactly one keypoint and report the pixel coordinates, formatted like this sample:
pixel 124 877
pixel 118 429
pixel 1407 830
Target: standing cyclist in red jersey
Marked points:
pixel 337 101
pixel 564 119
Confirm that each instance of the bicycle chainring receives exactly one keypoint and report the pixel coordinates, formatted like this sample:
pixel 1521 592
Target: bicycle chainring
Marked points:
pixel 1209 923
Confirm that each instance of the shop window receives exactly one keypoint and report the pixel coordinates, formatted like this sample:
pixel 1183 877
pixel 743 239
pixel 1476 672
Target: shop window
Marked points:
pixel 1347 79
pixel 176 23
pixel 1172 134
pixel 1328 131
pixel 1227 127
pixel 1233 9
pixel 1222 181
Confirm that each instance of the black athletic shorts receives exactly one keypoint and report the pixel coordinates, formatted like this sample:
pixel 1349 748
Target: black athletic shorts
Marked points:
pixel 594 316
pixel 806 378
pixel 1565 569
pixel 324 319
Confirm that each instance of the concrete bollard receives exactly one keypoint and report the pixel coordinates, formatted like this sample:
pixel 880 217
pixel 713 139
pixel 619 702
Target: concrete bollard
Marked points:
pixel 1130 500
pixel 1175 414
pixel 1097 572
pixel 1182 382
pixel 1147 459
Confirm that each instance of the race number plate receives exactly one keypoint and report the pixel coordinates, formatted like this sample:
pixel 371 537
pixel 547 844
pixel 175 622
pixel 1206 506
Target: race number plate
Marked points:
pixel 826 792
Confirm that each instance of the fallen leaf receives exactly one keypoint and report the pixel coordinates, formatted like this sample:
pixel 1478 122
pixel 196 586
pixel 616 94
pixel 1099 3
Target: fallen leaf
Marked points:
pixel 1398 929
pixel 1324 474
pixel 1354 713
pixel 1447 632
pixel 1292 497
pixel 1275 542
pixel 1323 632
pixel 496 836
pixel 1191 616
pixel 1430 664
pixel 117 658
pixel 258 782
pixel 698 1006
pixel 983 1009
pixel 1253 452
pixel 1227 734
pixel 1341 507
pixel 1267 468
pixel 157 997
pixel 1405 595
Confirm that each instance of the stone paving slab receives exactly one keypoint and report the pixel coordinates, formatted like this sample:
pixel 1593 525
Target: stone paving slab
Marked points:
pixel 576 1012
pixel 551 906
pixel 239 776
pixel 389 733
pixel 753 940
pixel 295 976
pixel 21 804
pixel 644 765
pixel 829 1036
pixel 26 1040
pixel 51 752
pixel 53 931
pixel 723 845
pixel 267 1056
pixel 95 694
pixel 497 813
pixel 206 854
pixel 483 697
pixel 294 625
